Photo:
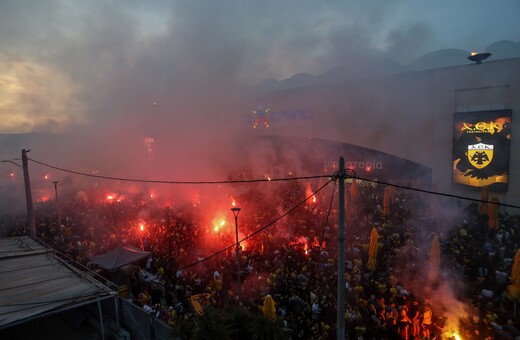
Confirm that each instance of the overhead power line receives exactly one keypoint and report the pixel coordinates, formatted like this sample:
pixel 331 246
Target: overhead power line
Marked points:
pixel 436 193
pixel 121 179
pixel 353 176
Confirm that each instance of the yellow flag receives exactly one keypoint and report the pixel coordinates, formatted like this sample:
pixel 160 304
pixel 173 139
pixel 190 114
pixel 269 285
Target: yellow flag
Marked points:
pixel 195 302
pixel 372 249
pixel 492 211
pixel 269 309
pixel 513 290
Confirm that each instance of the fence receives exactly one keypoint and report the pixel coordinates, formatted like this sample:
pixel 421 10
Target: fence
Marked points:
pixel 141 325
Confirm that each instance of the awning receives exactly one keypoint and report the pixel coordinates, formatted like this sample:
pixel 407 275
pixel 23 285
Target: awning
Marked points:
pixel 119 257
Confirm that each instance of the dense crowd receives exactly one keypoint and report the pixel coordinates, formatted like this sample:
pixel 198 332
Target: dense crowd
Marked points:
pixel 404 295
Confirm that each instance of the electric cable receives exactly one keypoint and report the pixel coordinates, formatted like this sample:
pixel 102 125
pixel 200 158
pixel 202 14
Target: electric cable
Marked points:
pixel 328 214
pixel 177 182
pixel 354 176
pixel 436 193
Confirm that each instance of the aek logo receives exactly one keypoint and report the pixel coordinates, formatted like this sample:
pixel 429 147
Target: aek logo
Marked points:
pixel 481 127
pixel 480 155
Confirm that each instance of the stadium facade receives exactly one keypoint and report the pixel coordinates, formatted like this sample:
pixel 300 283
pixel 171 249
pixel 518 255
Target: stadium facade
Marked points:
pixel 456 121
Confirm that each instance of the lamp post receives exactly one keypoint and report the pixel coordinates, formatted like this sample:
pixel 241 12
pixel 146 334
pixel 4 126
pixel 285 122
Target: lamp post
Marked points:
pixel 58 215
pixel 235 211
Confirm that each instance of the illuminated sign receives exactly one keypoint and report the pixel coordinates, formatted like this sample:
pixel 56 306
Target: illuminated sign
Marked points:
pixel 368 166
pixel 481 147
pixel 261 115
pixel 264 116
pixel 293 114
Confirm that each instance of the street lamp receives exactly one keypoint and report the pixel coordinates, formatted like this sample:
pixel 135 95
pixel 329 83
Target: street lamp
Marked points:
pixel 235 211
pixel 58 215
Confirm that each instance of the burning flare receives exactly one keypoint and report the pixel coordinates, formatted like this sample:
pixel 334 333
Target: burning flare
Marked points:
pixel 309 193
pixel 218 225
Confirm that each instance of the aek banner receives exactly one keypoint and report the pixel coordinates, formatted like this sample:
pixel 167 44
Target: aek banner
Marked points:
pixel 481 146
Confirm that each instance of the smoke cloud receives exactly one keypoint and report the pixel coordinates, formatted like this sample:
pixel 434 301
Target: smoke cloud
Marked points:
pixel 156 90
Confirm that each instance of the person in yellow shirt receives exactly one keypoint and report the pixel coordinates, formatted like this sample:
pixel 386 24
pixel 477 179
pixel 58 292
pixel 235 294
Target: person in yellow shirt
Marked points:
pixel 426 323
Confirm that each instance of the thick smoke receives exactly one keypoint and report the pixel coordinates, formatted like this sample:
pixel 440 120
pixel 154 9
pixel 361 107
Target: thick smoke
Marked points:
pixel 155 92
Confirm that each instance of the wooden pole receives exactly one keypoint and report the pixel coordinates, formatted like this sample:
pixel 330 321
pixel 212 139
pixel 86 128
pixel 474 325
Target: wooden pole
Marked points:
pixel 28 196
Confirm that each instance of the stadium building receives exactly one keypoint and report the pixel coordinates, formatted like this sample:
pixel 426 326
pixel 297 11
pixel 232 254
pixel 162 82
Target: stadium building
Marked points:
pixel 449 127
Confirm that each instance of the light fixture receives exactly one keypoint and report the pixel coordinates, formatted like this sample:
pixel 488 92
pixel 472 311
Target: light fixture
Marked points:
pixel 477 58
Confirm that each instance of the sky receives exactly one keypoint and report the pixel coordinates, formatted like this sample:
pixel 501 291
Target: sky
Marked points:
pixel 71 64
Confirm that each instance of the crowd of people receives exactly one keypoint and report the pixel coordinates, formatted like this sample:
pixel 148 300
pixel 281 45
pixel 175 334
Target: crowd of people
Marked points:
pixel 403 295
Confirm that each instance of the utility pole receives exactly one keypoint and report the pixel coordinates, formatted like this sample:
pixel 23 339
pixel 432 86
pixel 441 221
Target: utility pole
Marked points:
pixel 28 196
pixel 340 322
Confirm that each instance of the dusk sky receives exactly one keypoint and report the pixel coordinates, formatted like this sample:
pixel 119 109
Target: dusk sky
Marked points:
pixel 65 64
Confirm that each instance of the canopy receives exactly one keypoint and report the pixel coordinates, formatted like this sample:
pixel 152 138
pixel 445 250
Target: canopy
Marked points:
pixel 119 257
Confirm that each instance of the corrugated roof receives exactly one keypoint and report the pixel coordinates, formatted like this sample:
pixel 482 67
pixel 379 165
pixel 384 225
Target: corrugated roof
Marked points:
pixel 35 282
